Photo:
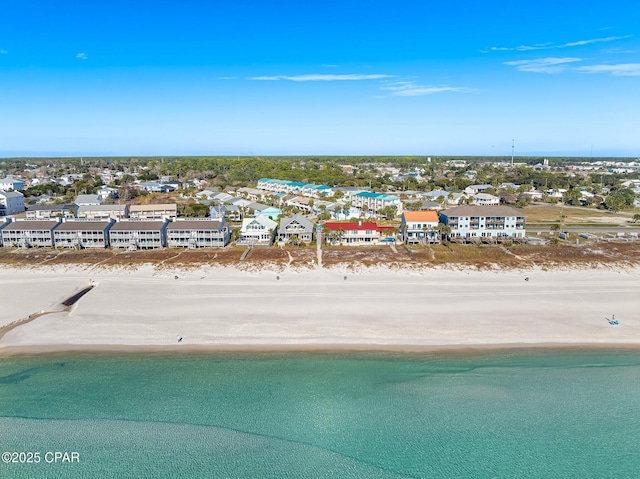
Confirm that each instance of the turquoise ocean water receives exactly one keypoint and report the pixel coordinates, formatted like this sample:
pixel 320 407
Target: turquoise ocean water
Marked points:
pixel 503 414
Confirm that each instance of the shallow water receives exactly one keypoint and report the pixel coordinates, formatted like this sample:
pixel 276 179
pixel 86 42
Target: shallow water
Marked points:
pixel 500 414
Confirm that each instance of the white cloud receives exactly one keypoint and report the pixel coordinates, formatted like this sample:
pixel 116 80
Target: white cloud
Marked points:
pixel 329 65
pixel 227 78
pixel 321 77
pixel 550 45
pixel 621 69
pixel 406 88
pixel 543 65
pixel 82 56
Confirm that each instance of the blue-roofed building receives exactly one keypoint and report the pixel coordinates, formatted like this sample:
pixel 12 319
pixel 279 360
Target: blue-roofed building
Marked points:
pixel 372 203
pixel 294 187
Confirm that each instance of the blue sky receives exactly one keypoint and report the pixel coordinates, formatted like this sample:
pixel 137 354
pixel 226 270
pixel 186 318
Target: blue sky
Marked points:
pixel 242 77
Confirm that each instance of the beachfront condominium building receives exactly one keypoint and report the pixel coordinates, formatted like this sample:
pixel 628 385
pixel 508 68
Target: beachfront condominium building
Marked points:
pixel 372 203
pixel 11 203
pixel 359 233
pixel 29 233
pixel 420 227
pixel 484 222
pixel 138 234
pixel 198 233
pixel 78 233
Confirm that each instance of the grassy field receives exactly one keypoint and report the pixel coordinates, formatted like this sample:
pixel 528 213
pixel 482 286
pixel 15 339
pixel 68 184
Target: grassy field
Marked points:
pixel 545 214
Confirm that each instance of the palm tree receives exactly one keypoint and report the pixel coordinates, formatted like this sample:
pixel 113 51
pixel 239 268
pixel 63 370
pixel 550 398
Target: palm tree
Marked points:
pixel 445 230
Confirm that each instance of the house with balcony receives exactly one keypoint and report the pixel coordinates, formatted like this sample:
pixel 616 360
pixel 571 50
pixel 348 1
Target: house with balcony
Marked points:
pixel 198 233
pixel 11 184
pixel 373 203
pixel 258 231
pixel 356 233
pixel 471 222
pixel 48 212
pixel 153 212
pixel 4 222
pixel 102 212
pixel 138 234
pixel 78 233
pixel 420 227
pixel 485 199
pixel 11 203
pixel 25 233
pixel 296 229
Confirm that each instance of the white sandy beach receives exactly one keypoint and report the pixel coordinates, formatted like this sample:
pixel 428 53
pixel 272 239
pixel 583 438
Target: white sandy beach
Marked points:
pixel 375 308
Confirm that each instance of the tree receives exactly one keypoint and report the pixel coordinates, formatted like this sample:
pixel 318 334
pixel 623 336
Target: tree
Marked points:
pixel 445 230
pixel 389 212
pixel 572 196
pixel 620 199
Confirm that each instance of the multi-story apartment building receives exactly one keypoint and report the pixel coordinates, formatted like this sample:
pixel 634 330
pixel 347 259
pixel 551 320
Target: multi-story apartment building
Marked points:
pixel 102 212
pixel 138 234
pixel 82 234
pixel 198 233
pixel 153 212
pixel 372 203
pixel 483 221
pixel 29 233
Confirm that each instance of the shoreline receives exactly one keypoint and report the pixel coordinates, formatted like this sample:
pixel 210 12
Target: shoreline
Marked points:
pixel 311 349
pixel 341 310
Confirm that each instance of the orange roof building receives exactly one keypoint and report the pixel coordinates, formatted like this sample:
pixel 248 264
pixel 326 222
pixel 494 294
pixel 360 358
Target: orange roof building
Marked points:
pixel 420 227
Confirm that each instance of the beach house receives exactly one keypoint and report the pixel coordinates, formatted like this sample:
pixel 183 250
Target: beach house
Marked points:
pixel 420 227
pixel 11 184
pixel 138 234
pixel 198 233
pixel 258 231
pixel 295 229
pixel 356 233
pixel 485 199
pixel 78 233
pixel 11 203
pixel 483 222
